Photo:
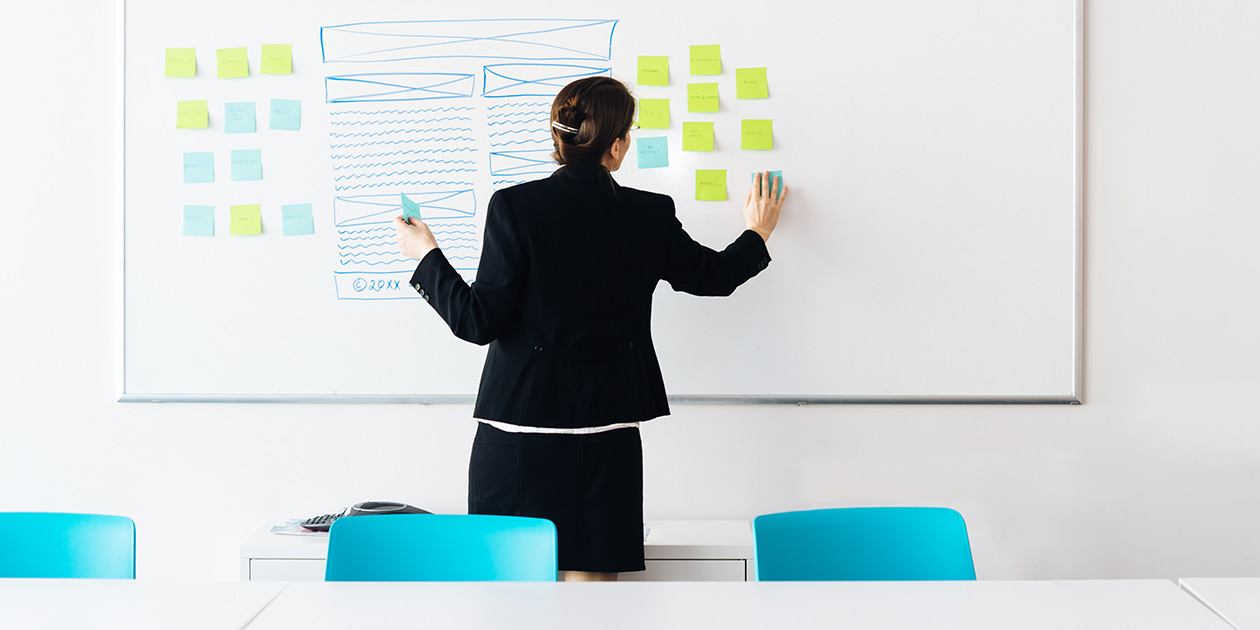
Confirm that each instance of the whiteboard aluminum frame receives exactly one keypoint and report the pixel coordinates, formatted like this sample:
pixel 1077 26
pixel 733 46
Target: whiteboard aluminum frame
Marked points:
pixel 1075 397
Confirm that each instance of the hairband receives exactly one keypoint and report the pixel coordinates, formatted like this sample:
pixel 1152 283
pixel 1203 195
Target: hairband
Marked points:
pixel 565 128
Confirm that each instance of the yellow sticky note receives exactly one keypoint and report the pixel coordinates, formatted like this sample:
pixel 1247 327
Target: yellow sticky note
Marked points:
pixel 246 220
pixel 653 70
pixel 702 97
pixel 706 59
pixel 710 184
pixel 277 59
pixel 233 63
pixel 751 83
pixel 697 136
pixel 654 113
pixel 181 62
pixel 192 115
pixel 756 134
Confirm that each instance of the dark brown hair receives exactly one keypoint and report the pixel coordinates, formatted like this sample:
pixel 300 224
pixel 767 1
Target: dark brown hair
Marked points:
pixel 601 109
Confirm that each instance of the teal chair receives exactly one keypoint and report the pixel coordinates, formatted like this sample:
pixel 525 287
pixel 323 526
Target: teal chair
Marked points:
pixel 892 543
pixel 59 545
pixel 441 547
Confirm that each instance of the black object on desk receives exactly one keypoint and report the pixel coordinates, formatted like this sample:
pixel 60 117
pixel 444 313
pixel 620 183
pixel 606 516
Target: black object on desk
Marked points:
pixel 324 522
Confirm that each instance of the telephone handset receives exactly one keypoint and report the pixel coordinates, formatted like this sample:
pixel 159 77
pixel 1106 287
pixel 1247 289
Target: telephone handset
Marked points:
pixel 324 522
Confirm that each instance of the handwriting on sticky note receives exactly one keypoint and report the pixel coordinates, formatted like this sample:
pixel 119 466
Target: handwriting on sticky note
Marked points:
pixel 181 62
pixel 756 134
pixel 245 220
pixel 246 165
pixel 233 63
pixel 198 168
pixel 697 136
pixel 198 220
pixel 751 83
pixel 297 219
pixel 653 152
pixel 710 184
pixel 239 118
pixel 702 97
pixel 706 59
pixel 286 115
pixel 192 115
pixel 654 113
pixel 653 70
pixel 277 59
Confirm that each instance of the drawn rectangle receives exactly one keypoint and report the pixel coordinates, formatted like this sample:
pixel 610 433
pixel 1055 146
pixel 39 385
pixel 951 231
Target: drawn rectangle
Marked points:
pixel 534 79
pixel 397 86
pixel 510 163
pixel 374 285
pixel 520 39
pixel 359 210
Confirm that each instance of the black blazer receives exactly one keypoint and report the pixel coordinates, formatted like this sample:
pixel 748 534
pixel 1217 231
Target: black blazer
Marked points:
pixel 563 295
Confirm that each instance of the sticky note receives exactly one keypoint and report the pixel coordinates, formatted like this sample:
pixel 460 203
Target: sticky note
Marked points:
pixel 710 184
pixel 756 134
pixel 653 152
pixel 702 97
pixel 706 59
pixel 239 118
pixel 752 178
pixel 411 209
pixel 198 168
pixel 198 220
pixel 751 83
pixel 277 59
pixel 245 220
pixel 653 70
pixel 181 62
pixel 246 165
pixel 192 115
pixel 697 136
pixel 233 63
pixel 654 113
pixel 297 219
pixel 286 115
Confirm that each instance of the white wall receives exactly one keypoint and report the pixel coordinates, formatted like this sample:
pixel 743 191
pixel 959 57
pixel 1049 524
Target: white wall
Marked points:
pixel 1157 475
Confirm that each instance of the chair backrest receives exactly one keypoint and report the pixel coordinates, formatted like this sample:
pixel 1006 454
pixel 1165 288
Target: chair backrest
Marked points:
pixel 441 547
pixel 894 543
pixel 61 545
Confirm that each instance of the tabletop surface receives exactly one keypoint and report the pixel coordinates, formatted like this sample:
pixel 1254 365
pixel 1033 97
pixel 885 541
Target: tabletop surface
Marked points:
pixel 1237 600
pixel 1147 604
pixel 44 604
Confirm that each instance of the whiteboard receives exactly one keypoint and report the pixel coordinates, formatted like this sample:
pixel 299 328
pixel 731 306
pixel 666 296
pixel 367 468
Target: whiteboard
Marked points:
pixel 929 250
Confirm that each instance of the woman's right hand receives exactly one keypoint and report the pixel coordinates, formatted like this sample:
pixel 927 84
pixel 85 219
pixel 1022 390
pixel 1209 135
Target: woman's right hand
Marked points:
pixel 763 203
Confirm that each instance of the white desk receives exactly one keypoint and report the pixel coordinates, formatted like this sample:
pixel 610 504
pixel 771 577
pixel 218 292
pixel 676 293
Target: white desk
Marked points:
pixel 1236 600
pixel 703 551
pixel 31 604
pixel 1146 604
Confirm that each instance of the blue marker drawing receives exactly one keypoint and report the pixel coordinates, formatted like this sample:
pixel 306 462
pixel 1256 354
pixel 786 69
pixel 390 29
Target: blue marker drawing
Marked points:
pixel 516 163
pixel 526 79
pixel 523 39
pixel 396 86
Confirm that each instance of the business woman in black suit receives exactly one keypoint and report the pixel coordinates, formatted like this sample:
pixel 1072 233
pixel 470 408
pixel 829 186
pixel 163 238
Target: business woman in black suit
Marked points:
pixel 563 295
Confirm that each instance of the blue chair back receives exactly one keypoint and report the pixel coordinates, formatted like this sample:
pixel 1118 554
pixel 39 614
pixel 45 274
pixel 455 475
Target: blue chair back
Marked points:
pixel 441 547
pixel 894 543
pixel 60 545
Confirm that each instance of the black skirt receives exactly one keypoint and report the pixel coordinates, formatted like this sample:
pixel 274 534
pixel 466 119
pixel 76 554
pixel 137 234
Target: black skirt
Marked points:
pixel 590 486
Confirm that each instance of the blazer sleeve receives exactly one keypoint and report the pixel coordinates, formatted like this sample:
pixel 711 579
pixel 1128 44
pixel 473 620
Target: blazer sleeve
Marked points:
pixel 693 268
pixel 479 312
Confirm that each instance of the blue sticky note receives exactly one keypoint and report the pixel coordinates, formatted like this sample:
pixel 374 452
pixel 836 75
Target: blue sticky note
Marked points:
pixel 198 220
pixel 246 165
pixel 286 115
pixel 239 118
pixel 297 219
pixel 198 168
pixel 411 209
pixel 653 152
pixel 752 177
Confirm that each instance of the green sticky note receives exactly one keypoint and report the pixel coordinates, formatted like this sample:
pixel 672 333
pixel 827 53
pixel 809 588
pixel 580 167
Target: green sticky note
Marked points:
pixel 181 62
pixel 411 210
pixel 702 97
pixel 192 115
pixel 285 115
pixel 654 113
pixel 233 63
pixel 653 70
pixel 653 152
pixel 697 136
pixel 198 220
pixel 756 134
pixel 246 165
pixel 246 220
pixel 706 59
pixel 277 59
pixel 239 118
pixel 199 168
pixel 751 83
pixel 297 219
pixel 752 178
pixel 710 184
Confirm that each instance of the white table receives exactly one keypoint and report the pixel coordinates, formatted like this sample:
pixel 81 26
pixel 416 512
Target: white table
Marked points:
pixel 1146 604
pixel 1236 600
pixel 38 604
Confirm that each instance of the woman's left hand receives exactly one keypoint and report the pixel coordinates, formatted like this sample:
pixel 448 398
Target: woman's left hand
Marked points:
pixel 414 239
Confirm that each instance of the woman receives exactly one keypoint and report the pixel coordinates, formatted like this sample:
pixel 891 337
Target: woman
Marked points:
pixel 563 295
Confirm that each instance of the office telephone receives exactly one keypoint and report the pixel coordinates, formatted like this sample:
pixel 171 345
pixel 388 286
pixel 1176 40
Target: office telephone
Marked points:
pixel 323 522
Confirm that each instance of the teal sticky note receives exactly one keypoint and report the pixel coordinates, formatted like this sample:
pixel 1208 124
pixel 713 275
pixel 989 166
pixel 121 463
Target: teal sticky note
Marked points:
pixel 752 177
pixel 286 115
pixel 199 168
pixel 198 220
pixel 653 152
pixel 246 165
pixel 297 219
pixel 411 209
pixel 239 118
